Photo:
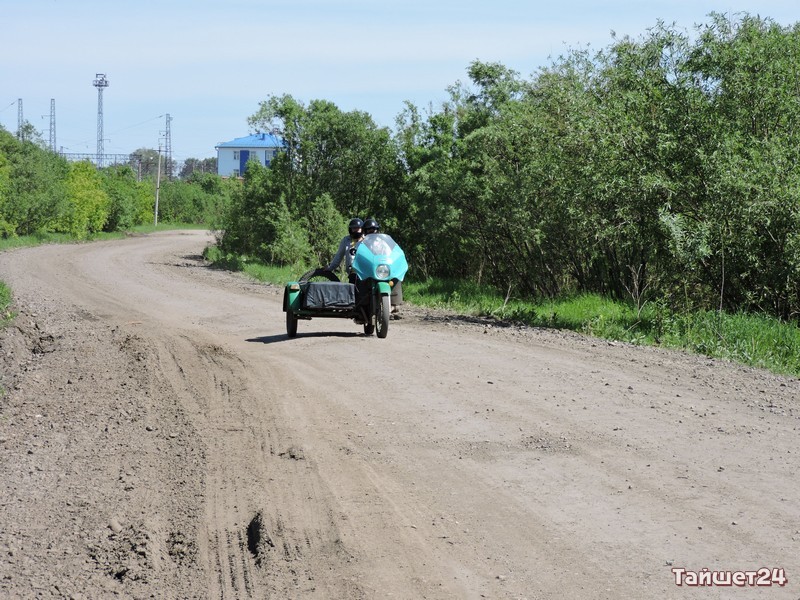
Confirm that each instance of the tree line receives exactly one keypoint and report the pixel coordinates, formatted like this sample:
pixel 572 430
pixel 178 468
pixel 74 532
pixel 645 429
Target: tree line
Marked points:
pixel 662 167
pixel 41 192
pixel 145 162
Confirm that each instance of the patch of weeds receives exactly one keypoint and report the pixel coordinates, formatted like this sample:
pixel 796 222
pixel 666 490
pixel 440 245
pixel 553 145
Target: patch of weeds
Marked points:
pixel 6 314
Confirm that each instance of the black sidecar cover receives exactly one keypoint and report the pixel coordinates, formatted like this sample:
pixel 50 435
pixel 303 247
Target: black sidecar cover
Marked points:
pixel 328 295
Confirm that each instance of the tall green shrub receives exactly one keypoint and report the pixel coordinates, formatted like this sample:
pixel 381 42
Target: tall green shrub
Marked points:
pixel 325 226
pixel 88 204
pixel 131 202
pixel 35 195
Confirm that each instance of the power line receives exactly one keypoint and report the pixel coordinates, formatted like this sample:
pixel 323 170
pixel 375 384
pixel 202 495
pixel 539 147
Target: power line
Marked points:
pixel 136 125
pixel 82 142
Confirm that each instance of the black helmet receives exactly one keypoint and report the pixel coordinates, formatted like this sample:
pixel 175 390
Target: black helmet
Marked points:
pixel 355 227
pixel 371 226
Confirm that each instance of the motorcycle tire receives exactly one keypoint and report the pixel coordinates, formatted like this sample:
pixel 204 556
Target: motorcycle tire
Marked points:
pixel 384 309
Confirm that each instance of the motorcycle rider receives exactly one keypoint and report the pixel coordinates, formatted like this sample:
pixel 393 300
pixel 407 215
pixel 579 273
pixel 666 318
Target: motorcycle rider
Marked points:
pixel 371 226
pixel 347 248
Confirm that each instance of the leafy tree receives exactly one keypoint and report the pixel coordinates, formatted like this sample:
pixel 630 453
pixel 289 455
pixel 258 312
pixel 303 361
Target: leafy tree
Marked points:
pixel 328 151
pixel 288 244
pixel 197 166
pixel 217 193
pixel 88 203
pixel 35 195
pixel 747 71
pixel 428 220
pixel 6 229
pixel 259 222
pixel 325 226
pixel 179 202
pixel 131 202
pixel 29 133
pixel 144 163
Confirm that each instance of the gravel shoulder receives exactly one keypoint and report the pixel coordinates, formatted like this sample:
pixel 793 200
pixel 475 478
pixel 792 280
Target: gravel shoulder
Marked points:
pixel 160 436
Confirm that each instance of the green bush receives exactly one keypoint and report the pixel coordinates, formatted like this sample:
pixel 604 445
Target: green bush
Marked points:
pixel 5 304
pixel 33 191
pixel 131 202
pixel 87 202
pixel 325 226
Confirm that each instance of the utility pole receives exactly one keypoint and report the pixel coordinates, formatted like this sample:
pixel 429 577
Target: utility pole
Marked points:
pixel 100 83
pixel 158 186
pixel 20 120
pixel 52 125
pixel 168 149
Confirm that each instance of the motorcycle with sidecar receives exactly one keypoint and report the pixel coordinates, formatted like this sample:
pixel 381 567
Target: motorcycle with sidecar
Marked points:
pixel 379 263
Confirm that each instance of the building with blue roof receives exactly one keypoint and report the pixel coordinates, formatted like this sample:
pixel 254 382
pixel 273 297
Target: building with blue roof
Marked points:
pixel 232 156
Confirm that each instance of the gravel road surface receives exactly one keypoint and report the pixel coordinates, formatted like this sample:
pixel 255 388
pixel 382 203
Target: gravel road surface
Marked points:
pixel 160 436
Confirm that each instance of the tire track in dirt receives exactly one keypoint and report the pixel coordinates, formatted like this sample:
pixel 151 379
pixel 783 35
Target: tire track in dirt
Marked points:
pixel 266 510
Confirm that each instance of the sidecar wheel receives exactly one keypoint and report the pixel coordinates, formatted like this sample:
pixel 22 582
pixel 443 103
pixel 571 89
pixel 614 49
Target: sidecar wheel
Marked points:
pixel 313 273
pixel 291 324
pixel 382 318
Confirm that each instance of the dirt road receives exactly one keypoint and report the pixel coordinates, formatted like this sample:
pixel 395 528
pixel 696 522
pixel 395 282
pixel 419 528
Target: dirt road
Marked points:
pixel 161 437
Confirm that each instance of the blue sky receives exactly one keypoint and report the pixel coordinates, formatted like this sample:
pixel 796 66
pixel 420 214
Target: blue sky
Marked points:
pixel 209 64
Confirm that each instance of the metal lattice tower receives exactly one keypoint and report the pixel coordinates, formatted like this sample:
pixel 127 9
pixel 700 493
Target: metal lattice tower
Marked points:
pixel 168 149
pixel 52 124
pixel 100 83
pixel 20 120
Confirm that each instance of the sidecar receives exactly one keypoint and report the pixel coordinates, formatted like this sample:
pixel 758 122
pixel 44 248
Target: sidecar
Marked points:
pixel 379 264
pixel 308 298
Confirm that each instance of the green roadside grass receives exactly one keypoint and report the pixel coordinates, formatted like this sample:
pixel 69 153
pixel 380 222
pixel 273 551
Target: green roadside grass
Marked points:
pixel 5 305
pixel 751 339
pixel 754 340
pixel 255 269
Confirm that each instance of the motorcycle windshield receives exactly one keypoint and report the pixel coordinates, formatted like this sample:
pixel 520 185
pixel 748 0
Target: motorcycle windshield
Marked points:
pixel 379 244
pixel 379 257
